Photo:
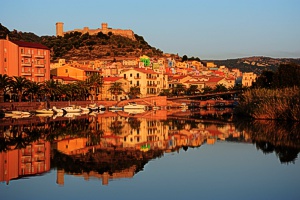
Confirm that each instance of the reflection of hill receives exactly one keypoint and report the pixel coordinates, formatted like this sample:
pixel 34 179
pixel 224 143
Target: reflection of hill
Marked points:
pixel 102 162
pixel 274 136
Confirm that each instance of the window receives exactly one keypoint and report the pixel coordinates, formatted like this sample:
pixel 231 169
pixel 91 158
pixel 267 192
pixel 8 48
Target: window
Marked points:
pixel 4 59
pixel 137 75
pixel 66 71
pixel 22 50
pixel 130 82
pixel 4 50
pixel 130 75
pixel 137 83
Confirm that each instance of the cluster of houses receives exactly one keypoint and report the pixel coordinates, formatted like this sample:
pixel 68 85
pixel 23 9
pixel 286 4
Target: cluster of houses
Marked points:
pixel 151 75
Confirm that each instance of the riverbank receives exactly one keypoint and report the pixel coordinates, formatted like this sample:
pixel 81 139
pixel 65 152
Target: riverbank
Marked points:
pixel 159 101
pixel 275 104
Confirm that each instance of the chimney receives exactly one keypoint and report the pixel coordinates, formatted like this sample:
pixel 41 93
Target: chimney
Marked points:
pixel 7 38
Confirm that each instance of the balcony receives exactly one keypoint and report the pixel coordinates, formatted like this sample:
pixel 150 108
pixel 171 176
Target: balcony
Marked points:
pixel 151 77
pixel 39 65
pixel 26 55
pixel 27 64
pixel 26 73
pixel 39 56
pixel 137 77
pixel 40 74
pixel 151 85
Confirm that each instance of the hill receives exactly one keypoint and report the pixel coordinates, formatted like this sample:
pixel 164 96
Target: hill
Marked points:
pixel 255 64
pixel 78 46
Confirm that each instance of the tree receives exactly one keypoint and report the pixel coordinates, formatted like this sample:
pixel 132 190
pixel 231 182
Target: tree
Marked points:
pixel 19 85
pixel 95 81
pixel 34 90
pixel 51 88
pixel 184 58
pixel 207 89
pixel 4 84
pixel 116 89
pixel 220 88
pixel 134 92
pixel 165 92
pixel 287 75
pixel 192 89
pixel 179 89
pixel 265 80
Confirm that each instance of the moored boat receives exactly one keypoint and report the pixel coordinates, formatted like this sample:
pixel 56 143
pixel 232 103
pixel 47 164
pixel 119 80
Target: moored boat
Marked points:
pixel 134 105
pixel 71 109
pixel 45 111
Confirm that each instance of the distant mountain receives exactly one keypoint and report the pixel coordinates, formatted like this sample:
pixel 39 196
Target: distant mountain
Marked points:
pixel 77 46
pixel 255 64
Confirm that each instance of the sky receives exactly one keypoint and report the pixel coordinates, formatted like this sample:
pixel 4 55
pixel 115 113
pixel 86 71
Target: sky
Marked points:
pixel 208 29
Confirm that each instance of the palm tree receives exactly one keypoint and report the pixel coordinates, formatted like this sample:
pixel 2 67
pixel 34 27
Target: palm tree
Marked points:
pixel 165 92
pixel 20 85
pixel 95 81
pixel 34 90
pixel 179 89
pixel 4 83
pixel 51 89
pixel 83 90
pixel 220 88
pixel 134 92
pixel 116 89
pixel 207 89
pixel 192 89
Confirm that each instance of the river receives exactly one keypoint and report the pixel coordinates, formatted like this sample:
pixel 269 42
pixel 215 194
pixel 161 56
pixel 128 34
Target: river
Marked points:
pixel 204 154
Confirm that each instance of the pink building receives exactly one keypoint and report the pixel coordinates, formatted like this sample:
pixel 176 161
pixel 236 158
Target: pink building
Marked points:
pixel 27 59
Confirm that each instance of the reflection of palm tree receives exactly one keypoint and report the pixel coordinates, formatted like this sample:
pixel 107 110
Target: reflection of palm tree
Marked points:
pixel 116 127
pixel 134 123
pixel 95 81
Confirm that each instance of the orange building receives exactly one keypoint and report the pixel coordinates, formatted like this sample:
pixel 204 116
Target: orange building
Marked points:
pixel 26 59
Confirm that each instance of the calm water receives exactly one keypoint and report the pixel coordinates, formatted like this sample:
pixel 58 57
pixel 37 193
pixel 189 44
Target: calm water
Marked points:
pixel 148 156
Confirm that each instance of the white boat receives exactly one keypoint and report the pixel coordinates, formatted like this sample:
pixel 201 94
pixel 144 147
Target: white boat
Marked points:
pixel 44 114
pixel 45 111
pixel 133 105
pixel 17 112
pixel 71 109
pixel 57 110
pixel 84 110
pixel 134 111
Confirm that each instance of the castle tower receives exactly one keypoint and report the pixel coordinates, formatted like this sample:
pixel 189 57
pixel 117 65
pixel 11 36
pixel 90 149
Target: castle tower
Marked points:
pixel 59 29
pixel 104 26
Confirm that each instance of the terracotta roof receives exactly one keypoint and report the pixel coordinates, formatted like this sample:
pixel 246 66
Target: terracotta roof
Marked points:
pixel 146 71
pixel 65 78
pixel 112 79
pixel 30 45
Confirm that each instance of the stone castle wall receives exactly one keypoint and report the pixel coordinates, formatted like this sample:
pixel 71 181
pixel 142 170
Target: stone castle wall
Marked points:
pixel 104 29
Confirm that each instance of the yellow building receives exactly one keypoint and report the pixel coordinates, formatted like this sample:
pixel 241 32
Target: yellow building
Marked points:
pixel 107 82
pixel 248 79
pixel 79 73
pixel 150 82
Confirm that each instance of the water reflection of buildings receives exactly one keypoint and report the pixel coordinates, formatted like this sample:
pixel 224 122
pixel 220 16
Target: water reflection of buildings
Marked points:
pixel 109 140
pixel 32 160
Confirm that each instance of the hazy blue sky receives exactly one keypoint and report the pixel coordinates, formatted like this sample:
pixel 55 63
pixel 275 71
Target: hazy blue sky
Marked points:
pixel 208 29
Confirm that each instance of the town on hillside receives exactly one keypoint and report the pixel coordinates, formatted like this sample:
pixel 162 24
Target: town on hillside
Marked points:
pixel 153 76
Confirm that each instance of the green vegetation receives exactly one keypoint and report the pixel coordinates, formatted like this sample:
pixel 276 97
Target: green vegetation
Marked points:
pixel 274 96
pixel 20 89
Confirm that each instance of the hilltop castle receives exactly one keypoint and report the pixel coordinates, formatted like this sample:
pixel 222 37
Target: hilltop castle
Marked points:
pixel 104 29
